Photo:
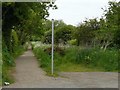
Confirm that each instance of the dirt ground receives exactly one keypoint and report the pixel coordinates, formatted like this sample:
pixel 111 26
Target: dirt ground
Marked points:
pixel 29 75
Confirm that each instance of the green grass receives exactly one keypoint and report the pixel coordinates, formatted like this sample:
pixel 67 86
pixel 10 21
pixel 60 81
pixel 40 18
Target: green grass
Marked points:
pixel 80 60
pixel 43 59
pixel 108 59
pixel 9 63
pixel 7 74
pixel 70 67
pixel 0 69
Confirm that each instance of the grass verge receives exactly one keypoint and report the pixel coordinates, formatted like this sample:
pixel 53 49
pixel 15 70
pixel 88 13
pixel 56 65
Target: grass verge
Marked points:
pixel 79 60
pixel 9 63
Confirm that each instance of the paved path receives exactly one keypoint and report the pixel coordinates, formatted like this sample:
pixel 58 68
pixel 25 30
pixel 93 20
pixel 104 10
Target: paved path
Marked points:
pixel 29 75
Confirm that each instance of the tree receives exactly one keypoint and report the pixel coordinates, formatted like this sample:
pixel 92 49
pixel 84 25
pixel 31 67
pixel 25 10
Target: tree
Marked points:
pixel 25 18
pixel 86 32
pixel 63 34
pixel 110 26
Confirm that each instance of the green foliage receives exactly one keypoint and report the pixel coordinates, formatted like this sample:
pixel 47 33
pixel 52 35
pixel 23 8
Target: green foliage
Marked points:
pixel 72 42
pixel 6 74
pixel 117 38
pixel 20 22
pixel 18 51
pixel 15 40
pixel 9 63
pixel 85 32
pixel 71 67
pixel 110 26
pixel 83 56
pixel 26 22
pixel 44 59
pixel 103 32
pixel 47 37
pixel 63 34
pixel 6 56
pixel 95 57
pixel 57 49
pixel 92 59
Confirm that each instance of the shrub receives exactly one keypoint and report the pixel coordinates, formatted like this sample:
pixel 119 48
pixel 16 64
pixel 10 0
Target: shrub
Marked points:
pixel 7 63
pixel 72 42
pixel 15 40
pixel 58 50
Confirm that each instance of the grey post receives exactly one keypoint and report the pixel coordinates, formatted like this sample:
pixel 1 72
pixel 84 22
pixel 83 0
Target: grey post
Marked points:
pixel 52 62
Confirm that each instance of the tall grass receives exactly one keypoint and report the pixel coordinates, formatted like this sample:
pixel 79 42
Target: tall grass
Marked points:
pixel 9 63
pixel 43 58
pixel 76 59
pixel 108 59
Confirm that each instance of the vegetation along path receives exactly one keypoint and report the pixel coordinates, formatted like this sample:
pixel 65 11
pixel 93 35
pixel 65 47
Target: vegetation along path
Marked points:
pixel 29 75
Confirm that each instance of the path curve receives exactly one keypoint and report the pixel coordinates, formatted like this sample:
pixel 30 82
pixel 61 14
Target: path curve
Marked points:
pixel 29 75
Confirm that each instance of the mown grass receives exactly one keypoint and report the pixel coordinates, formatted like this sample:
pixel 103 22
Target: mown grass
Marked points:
pixel 70 67
pixel 80 60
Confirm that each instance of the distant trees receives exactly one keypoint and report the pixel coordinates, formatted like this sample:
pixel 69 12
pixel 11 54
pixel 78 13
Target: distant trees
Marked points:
pixel 62 32
pixel 86 32
pixel 30 23
pixel 103 32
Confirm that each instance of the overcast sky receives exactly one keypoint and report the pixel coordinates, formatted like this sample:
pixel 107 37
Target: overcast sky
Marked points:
pixel 75 11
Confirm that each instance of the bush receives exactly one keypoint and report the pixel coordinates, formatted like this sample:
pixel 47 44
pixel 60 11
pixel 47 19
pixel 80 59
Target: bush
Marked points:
pixel 6 57
pixel 7 63
pixel 58 50
pixel 72 42
pixel 15 40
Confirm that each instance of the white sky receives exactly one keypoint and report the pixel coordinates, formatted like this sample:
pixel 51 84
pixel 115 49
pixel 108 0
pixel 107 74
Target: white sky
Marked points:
pixel 75 11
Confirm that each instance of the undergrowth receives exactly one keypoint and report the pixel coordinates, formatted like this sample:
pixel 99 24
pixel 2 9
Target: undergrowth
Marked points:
pixel 9 63
pixel 80 60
